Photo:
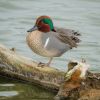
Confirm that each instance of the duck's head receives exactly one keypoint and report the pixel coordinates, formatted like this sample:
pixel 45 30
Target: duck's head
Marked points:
pixel 43 24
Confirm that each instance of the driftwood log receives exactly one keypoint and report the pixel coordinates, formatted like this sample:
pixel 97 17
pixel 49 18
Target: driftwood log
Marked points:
pixel 17 66
pixel 22 68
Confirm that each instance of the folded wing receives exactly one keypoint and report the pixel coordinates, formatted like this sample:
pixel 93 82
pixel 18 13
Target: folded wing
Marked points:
pixel 68 36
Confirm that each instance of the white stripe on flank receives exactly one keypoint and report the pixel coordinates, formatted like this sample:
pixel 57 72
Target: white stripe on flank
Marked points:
pixel 46 43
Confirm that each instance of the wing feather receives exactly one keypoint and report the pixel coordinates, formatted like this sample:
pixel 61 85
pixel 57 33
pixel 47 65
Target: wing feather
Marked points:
pixel 68 36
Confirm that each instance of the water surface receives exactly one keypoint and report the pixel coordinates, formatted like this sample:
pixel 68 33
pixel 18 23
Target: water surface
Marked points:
pixel 17 16
pixel 11 89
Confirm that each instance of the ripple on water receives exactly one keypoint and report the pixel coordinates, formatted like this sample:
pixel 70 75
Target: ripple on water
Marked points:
pixel 7 85
pixel 8 93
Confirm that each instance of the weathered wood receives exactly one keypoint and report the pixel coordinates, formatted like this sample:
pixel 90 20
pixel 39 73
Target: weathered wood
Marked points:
pixel 22 68
pixel 17 66
pixel 89 89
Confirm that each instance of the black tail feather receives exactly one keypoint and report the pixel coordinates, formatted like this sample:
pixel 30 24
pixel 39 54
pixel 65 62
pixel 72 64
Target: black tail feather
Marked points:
pixel 76 33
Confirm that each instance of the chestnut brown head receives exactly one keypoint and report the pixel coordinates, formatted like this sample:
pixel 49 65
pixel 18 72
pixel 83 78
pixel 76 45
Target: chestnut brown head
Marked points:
pixel 44 24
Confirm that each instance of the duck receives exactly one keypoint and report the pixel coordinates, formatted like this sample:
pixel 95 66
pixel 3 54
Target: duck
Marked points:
pixel 50 41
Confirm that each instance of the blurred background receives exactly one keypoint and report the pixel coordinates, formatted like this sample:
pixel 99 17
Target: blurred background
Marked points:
pixel 17 16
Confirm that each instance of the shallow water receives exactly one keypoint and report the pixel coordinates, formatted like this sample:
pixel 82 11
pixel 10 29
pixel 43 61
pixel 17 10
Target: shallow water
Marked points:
pixel 17 16
pixel 14 90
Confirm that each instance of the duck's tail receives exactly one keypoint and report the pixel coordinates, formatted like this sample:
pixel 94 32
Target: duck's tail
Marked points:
pixel 75 36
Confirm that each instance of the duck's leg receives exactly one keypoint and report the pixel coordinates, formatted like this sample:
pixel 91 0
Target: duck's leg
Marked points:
pixel 48 64
pixel 40 64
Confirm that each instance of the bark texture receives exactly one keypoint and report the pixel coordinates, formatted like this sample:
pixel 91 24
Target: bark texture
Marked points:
pixel 22 68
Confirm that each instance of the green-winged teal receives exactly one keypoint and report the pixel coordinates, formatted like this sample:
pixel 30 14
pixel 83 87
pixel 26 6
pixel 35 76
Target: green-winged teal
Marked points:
pixel 46 40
